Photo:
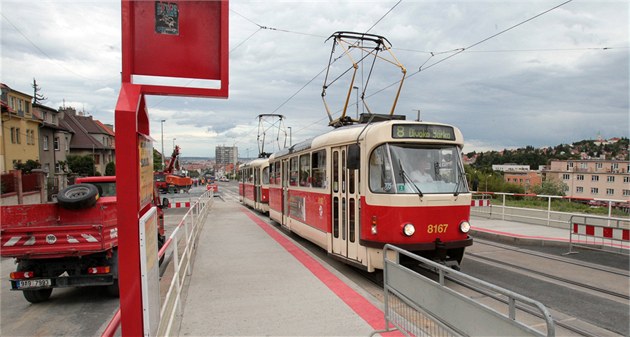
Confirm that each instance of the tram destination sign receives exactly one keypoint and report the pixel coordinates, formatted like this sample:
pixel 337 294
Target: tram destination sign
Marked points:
pixel 423 131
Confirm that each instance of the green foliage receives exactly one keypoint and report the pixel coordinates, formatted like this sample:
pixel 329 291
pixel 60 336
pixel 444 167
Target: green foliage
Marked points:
pixel 110 169
pixel 157 161
pixel 28 166
pixel 81 165
pixel 537 157
pixel 551 187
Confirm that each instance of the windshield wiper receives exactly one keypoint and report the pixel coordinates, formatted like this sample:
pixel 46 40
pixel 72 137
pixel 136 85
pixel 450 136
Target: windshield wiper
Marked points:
pixel 406 177
pixel 459 180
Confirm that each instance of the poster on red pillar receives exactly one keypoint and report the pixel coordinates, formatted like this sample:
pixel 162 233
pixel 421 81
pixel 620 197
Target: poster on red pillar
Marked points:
pixel 149 272
pixel 145 153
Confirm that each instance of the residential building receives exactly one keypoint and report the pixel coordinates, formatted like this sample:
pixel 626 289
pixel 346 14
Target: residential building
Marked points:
pixel 527 179
pixel 89 138
pixel 53 139
pixel 225 155
pixel 20 129
pixel 511 168
pixel 593 178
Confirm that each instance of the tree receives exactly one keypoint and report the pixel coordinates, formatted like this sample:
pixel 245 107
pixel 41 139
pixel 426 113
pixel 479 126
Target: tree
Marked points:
pixel 551 187
pixel 110 169
pixel 81 165
pixel 28 166
pixel 157 161
pixel 37 97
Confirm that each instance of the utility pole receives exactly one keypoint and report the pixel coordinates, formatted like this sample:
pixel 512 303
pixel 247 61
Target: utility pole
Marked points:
pixel 417 110
pixel 162 122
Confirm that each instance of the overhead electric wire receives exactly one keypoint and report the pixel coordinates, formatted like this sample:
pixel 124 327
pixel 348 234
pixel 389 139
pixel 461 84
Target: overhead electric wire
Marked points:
pixel 461 50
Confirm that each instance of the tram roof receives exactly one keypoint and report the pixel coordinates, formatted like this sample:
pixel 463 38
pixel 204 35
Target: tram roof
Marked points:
pixel 351 133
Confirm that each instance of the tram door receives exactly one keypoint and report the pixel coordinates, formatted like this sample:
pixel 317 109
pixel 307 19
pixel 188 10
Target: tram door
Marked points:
pixel 345 206
pixel 257 189
pixel 285 192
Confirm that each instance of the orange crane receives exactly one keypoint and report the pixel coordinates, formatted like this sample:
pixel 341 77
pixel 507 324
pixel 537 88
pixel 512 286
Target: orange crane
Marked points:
pixel 168 181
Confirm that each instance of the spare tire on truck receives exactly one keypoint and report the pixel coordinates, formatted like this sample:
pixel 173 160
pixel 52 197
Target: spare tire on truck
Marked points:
pixel 78 196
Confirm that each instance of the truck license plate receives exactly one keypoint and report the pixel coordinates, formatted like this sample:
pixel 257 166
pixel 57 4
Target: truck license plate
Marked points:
pixel 33 283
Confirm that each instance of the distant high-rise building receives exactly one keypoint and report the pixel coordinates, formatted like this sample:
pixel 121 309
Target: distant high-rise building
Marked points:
pixel 225 155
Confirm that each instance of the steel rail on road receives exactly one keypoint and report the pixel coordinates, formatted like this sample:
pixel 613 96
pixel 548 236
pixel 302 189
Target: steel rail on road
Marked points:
pixel 191 225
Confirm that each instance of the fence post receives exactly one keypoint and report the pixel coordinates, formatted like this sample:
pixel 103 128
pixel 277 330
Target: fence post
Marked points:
pixel 548 211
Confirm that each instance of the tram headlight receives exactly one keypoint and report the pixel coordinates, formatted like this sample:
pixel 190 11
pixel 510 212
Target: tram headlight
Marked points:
pixel 409 229
pixel 464 226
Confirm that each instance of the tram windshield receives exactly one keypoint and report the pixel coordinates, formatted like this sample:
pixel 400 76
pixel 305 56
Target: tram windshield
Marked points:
pixel 416 169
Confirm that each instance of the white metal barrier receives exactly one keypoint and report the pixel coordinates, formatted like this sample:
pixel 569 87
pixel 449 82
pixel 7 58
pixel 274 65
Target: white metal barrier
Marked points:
pixel 180 246
pixel 419 306
pixel 546 217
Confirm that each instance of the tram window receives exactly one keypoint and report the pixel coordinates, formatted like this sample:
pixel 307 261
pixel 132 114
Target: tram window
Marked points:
pixel 335 171
pixel 265 176
pixel 250 175
pixel 318 165
pixel 336 217
pixel 275 178
pixel 380 171
pixel 351 229
pixel 305 170
pixel 294 171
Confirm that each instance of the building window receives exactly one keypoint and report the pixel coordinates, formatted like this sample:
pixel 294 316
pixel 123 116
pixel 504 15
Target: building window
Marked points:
pixel 12 135
pixel 583 165
pixel 626 193
pixel 566 177
pixel 594 178
pixel 626 179
pixel 45 143
pixel 599 165
pixel 56 143
pixel 579 189
pixel 594 190
pixel 67 145
pixel 580 177
pixel 610 179
pixel 571 164
pixel 17 136
pixel 610 191
pixel 45 116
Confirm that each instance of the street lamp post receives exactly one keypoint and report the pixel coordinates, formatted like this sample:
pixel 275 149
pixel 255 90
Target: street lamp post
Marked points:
pixel 357 89
pixel 162 126
pixel 290 136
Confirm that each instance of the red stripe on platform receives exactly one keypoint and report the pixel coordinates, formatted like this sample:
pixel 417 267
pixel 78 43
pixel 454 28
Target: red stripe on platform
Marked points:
pixel 364 308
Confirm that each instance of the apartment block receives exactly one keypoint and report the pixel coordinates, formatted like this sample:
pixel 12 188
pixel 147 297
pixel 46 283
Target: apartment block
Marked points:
pixel 593 178
pixel 225 155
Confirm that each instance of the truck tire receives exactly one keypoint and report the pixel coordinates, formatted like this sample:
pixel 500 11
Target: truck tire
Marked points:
pixel 36 296
pixel 78 196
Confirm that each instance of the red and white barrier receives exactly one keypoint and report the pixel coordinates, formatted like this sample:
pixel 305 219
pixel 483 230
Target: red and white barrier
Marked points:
pixel 602 232
pixel 480 203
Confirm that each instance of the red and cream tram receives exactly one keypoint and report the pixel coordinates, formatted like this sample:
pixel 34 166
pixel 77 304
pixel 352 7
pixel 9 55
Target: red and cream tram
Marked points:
pixel 254 184
pixel 358 187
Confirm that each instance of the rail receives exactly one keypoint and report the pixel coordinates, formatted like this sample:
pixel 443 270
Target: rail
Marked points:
pixel 547 217
pixel 181 246
pixel 591 232
pixel 417 305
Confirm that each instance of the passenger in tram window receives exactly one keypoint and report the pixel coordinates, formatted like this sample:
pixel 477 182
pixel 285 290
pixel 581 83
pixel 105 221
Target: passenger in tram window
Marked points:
pixel 421 173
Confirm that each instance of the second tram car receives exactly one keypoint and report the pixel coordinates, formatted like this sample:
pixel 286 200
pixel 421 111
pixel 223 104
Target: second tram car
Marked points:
pixel 358 187
pixel 254 184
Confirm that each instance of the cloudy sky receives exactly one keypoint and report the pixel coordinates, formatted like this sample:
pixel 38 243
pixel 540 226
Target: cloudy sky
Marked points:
pixel 558 78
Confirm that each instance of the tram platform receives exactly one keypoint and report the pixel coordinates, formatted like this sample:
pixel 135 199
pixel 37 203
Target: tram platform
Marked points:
pixel 249 279
pixel 518 232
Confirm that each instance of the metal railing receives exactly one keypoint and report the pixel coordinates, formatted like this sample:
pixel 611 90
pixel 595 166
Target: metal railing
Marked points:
pixel 417 305
pixel 180 248
pixel 546 217
pixel 601 233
